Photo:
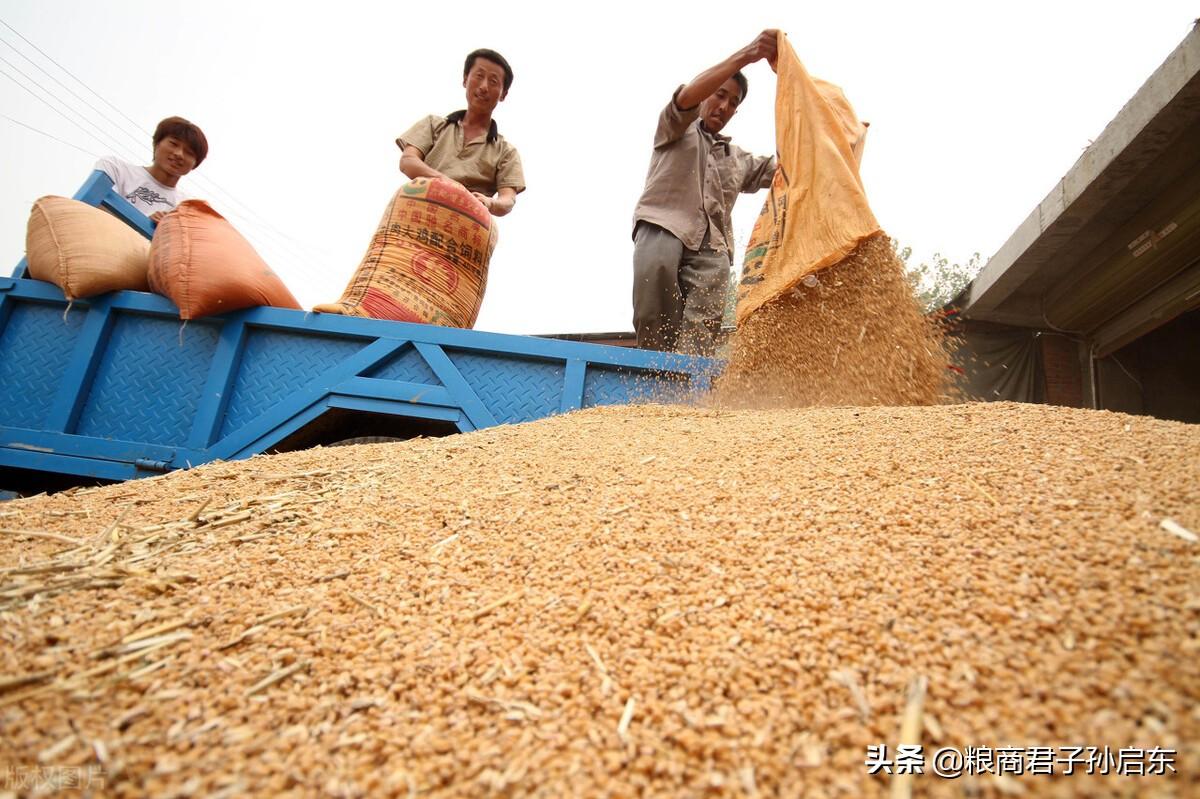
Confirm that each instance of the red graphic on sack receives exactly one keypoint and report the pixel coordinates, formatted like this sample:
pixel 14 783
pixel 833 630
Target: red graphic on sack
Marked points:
pixel 380 306
pixel 424 262
pixel 447 193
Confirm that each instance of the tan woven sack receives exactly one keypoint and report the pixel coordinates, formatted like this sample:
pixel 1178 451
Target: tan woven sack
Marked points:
pixel 83 250
pixel 428 260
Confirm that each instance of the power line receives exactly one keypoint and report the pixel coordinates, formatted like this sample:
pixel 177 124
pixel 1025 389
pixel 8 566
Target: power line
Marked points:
pixel 50 58
pixel 140 142
pixel 111 144
pixel 296 248
pixel 49 135
pixel 63 141
pixel 55 138
pixel 249 214
pixel 108 145
pixel 53 108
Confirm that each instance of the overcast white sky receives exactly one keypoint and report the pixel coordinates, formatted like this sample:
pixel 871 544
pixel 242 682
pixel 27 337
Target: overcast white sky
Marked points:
pixel 976 110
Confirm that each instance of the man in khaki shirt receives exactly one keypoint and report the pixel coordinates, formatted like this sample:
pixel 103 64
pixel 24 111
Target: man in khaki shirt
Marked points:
pixel 683 234
pixel 465 146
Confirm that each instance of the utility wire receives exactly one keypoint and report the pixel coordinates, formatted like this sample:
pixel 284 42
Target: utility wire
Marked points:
pixel 49 135
pixel 53 108
pixel 284 240
pixel 107 141
pixel 292 253
pixel 308 265
pixel 140 142
pixel 50 58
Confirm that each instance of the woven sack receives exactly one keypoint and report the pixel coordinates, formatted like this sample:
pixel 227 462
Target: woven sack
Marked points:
pixel 428 260
pixel 83 250
pixel 202 264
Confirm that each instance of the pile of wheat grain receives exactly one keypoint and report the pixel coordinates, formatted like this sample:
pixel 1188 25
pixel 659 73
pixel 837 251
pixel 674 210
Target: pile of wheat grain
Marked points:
pixel 627 601
pixel 852 335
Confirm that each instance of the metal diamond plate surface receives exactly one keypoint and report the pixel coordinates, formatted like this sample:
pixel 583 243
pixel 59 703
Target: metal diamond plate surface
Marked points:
pixel 513 390
pixel 605 387
pixel 149 383
pixel 276 365
pixel 620 387
pixel 35 347
pixel 406 365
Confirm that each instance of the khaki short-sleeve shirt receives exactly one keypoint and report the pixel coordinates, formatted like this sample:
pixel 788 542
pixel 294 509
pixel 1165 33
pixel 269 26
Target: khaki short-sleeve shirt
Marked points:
pixel 694 179
pixel 485 165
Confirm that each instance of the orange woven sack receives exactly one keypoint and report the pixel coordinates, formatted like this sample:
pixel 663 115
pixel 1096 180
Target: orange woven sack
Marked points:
pixel 83 250
pixel 428 261
pixel 200 262
pixel 817 211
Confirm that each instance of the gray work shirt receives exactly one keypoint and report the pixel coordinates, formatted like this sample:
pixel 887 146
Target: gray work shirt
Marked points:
pixel 694 179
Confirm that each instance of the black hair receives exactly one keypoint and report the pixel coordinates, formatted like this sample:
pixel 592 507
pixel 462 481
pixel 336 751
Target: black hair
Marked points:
pixel 495 58
pixel 185 131
pixel 740 80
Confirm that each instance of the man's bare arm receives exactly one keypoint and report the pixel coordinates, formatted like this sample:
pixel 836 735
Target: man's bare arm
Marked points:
pixel 412 164
pixel 708 81
pixel 501 204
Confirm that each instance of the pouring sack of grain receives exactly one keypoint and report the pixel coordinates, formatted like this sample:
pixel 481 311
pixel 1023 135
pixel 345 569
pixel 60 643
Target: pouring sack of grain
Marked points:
pixel 201 263
pixel 825 314
pixel 816 213
pixel 428 260
pixel 83 250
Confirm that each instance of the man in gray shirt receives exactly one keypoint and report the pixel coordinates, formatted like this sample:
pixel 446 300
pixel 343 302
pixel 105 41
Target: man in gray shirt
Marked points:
pixel 682 231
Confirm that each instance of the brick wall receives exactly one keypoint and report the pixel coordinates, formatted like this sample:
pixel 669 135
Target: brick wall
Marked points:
pixel 1061 367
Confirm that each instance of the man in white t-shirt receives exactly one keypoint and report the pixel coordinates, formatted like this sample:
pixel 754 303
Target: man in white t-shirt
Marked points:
pixel 179 147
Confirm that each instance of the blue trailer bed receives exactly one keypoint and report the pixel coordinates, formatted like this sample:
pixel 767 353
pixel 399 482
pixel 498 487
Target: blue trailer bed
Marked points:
pixel 116 386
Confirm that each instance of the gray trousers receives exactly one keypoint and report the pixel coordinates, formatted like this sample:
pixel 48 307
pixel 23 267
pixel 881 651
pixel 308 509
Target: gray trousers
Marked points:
pixel 678 294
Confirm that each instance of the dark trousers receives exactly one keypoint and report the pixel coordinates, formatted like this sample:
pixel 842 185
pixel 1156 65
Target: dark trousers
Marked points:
pixel 678 294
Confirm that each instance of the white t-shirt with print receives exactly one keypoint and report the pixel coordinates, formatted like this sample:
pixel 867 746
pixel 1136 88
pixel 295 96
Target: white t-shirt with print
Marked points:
pixel 136 184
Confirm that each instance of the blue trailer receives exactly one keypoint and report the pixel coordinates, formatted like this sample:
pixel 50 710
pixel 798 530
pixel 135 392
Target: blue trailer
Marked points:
pixel 116 387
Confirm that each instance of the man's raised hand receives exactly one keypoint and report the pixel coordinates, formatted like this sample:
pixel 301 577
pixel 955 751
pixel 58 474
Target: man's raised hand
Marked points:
pixel 765 45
